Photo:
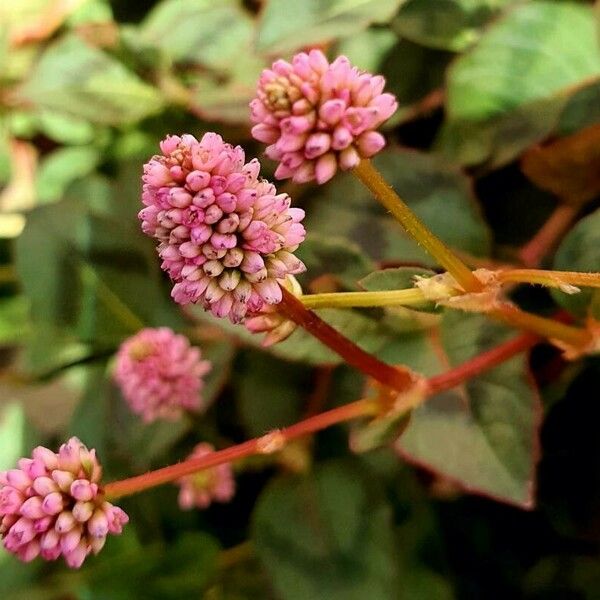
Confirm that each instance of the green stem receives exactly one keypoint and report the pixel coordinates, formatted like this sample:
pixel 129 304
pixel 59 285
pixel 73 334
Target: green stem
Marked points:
pixel 550 278
pixel 374 181
pixel 408 297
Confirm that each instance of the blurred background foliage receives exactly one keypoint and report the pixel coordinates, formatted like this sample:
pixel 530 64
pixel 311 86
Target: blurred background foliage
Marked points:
pixel 89 87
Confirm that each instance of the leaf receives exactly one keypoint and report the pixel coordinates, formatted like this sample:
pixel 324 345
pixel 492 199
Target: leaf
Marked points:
pixel 13 320
pixel 568 167
pixel 439 194
pixel 445 24
pixel 483 434
pixel 286 26
pixel 580 251
pixel 367 49
pixel 61 168
pixel 512 87
pixel 12 427
pixel 205 32
pixel 333 256
pixel 266 402
pixel 327 535
pixel 75 79
pixel 94 276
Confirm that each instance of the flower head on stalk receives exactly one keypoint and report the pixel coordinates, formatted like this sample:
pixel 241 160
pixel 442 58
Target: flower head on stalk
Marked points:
pixel 160 374
pixel 225 235
pixel 214 484
pixel 318 116
pixel 52 505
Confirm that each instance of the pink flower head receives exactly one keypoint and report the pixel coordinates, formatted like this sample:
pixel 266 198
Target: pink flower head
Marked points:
pixel 200 489
pixel 52 505
pixel 318 116
pixel 160 374
pixel 226 237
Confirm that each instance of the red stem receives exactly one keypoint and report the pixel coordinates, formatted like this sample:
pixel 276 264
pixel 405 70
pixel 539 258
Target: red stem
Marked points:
pixel 546 238
pixel 482 362
pixel 397 378
pixel 139 483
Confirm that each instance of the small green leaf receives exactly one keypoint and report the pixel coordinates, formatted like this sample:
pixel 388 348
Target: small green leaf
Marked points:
pixel 286 26
pixel 76 79
pixel 14 313
pixel 12 427
pixel 327 535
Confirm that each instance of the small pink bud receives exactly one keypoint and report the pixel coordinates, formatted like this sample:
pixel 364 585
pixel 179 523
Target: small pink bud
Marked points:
pixel 53 503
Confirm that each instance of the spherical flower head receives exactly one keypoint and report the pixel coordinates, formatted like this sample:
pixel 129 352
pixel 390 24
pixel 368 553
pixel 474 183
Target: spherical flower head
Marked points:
pixel 52 505
pixel 275 325
pixel 200 489
pixel 225 236
pixel 318 116
pixel 160 374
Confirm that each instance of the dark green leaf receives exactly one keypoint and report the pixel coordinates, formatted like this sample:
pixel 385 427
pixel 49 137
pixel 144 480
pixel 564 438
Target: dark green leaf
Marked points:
pixel 327 535
pixel 580 251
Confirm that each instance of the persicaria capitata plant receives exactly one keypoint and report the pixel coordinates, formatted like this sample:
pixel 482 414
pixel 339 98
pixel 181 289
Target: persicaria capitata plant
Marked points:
pixel 298 300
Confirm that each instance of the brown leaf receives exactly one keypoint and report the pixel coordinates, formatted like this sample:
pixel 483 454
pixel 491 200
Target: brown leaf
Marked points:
pixel 568 167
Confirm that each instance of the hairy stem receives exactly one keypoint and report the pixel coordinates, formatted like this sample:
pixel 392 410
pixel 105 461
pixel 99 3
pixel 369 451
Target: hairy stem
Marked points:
pixel 399 379
pixel 408 297
pixel 374 181
pixel 133 485
pixel 550 278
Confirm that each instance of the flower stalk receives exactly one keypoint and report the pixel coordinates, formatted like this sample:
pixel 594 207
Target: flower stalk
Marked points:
pixel 374 181
pixel 407 297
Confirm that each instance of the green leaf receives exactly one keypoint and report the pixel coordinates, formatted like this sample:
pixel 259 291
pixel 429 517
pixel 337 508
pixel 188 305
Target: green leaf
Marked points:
pixel 266 402
pixel 329 255
pixel 512 87
pixel 327 535
pixel 206 32
pixel 580 251
pixel 367 48
pixel 12 427
pixel 286 26
pixel 482 434
pixel 94 276
pixel 445 24
pixel 61 168
pixel 439 194
pixel 82 81
pixel 14 312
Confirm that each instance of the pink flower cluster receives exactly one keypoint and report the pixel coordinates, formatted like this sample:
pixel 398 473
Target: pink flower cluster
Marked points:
pixel 318 116
pixel 225 236
pixel 52 504
pixel 160 374
pixel 201 488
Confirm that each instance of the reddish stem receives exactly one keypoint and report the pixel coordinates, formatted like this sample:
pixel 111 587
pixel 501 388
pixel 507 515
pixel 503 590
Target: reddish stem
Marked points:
pixel 546 238
pixel 482 362
pixel 139 483
pixel 275 440
pixel 397 378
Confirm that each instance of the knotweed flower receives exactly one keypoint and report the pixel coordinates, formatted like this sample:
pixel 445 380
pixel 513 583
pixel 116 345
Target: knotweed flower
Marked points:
pixel 160 374
pixel 53 505
pixel 226 237
pixel 318 116
pixel 202 488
